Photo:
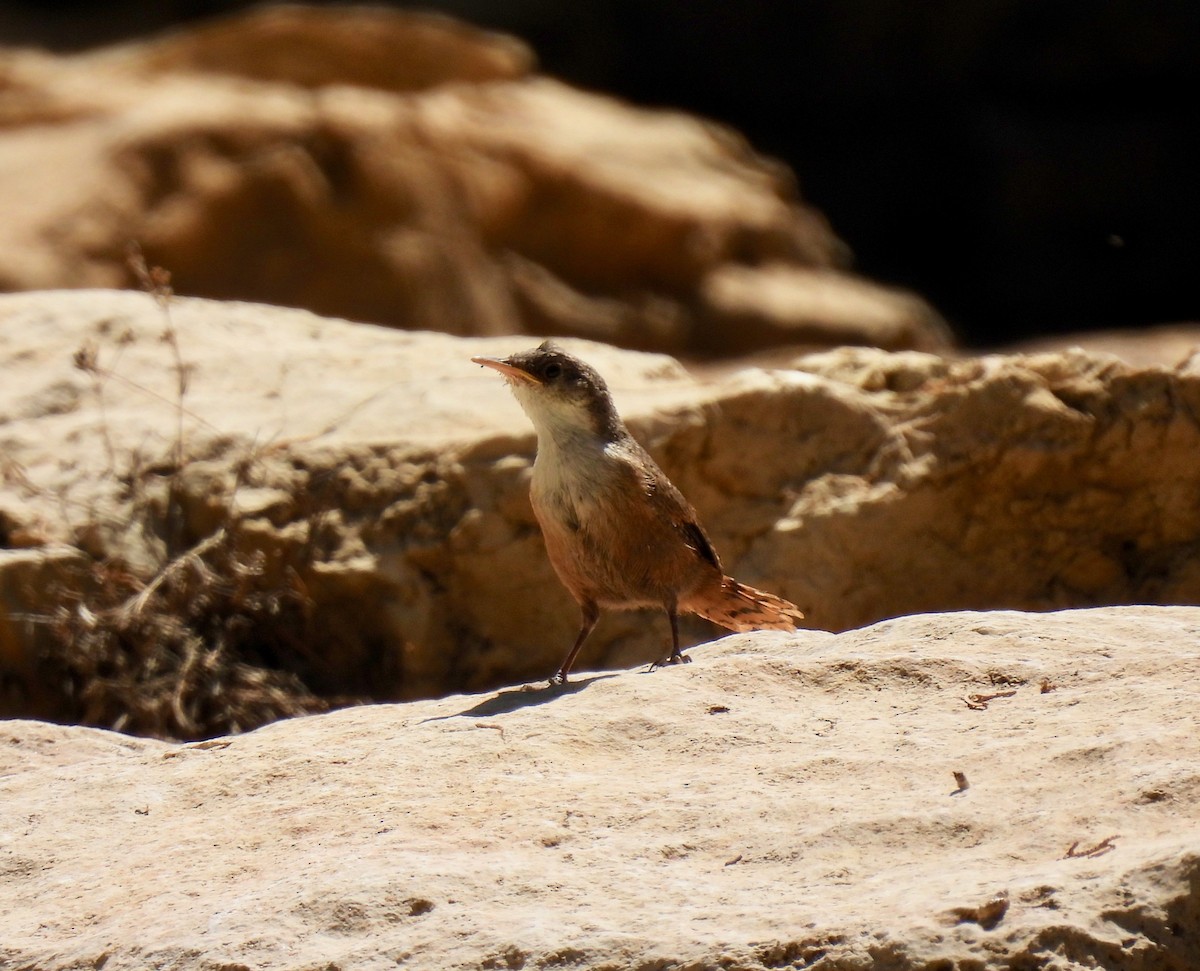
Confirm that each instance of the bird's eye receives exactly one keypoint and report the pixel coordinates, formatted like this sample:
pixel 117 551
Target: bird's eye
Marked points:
pixel 552 371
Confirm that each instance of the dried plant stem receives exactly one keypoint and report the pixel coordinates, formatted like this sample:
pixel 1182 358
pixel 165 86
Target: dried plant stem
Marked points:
pixel 134 606
pixel 157 282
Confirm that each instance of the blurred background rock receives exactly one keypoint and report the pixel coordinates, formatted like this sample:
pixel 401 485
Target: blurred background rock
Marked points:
pixel 1026 166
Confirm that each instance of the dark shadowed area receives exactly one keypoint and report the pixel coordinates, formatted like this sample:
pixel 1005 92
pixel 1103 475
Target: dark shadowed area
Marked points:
pixel 1028 167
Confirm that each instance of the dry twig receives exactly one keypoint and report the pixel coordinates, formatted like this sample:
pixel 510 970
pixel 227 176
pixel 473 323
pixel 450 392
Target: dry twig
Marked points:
pixel 978 702
pixel 1104 846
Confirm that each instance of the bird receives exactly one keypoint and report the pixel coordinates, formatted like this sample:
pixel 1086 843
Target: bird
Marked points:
pixel 618 533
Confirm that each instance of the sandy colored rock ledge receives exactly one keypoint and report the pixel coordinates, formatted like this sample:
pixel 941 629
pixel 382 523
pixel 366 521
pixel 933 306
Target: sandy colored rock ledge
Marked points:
pixel 364 46
pixel 380 482
pixel 784 801
pixel 409 170
pixel 1168 345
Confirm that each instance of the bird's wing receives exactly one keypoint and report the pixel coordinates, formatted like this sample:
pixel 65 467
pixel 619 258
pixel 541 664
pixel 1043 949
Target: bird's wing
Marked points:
pixel 670 504
pixel 697 539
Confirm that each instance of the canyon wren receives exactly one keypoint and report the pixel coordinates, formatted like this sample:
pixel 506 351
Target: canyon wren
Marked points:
pixel 618 533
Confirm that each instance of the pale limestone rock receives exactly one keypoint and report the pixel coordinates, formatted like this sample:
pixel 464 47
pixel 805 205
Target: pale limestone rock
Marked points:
pixel 794 305
pixel 383 464
pixel 1167 345
pixel 371 47
pixel 383 480
pixel 410 171
pixel 784 801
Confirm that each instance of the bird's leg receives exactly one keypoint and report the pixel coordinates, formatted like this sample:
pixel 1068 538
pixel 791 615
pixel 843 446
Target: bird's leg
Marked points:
pixel 676 656
pixel 591 613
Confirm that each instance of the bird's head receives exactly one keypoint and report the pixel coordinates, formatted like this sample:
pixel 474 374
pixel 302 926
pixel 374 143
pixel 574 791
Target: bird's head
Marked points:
pixel 558 392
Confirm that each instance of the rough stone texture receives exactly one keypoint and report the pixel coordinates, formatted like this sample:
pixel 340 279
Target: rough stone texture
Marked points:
pixel 410 171
pixel 391 476
pixel 383 465
pixel 1034 482
pixel 785 801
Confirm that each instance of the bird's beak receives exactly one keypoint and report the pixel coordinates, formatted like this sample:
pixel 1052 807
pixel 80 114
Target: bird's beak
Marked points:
pixel 510 371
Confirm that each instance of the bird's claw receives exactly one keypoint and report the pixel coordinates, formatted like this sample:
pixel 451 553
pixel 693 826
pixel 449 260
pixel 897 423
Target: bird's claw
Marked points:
pixel 558 678
pixel 672 659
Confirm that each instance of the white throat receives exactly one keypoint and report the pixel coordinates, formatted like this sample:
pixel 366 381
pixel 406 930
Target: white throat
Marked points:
pixel 572 459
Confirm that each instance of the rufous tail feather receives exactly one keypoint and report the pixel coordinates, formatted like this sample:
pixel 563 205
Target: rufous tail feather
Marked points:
pixel 740 607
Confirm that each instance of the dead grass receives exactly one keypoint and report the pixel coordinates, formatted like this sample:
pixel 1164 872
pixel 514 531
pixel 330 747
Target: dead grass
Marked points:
pixel 211 642
pixel 201 649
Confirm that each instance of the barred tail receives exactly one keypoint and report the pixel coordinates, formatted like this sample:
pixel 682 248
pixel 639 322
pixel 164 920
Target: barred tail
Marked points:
pixel 740 607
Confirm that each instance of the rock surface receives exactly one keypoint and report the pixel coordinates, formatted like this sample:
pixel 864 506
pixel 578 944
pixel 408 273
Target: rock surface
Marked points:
pixel 381 481
pixel 1167 345
pixel 411 171
pixel 784 801
pixel 1026 172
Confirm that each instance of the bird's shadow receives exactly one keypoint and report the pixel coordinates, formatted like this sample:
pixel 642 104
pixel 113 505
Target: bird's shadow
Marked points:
pixel 514 699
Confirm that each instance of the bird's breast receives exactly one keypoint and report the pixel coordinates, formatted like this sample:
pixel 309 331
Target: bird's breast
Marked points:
pixel 572 483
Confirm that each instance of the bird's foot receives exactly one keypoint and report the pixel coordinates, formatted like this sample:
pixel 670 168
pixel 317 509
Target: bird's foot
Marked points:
pixel 676 658
pixel 559 677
